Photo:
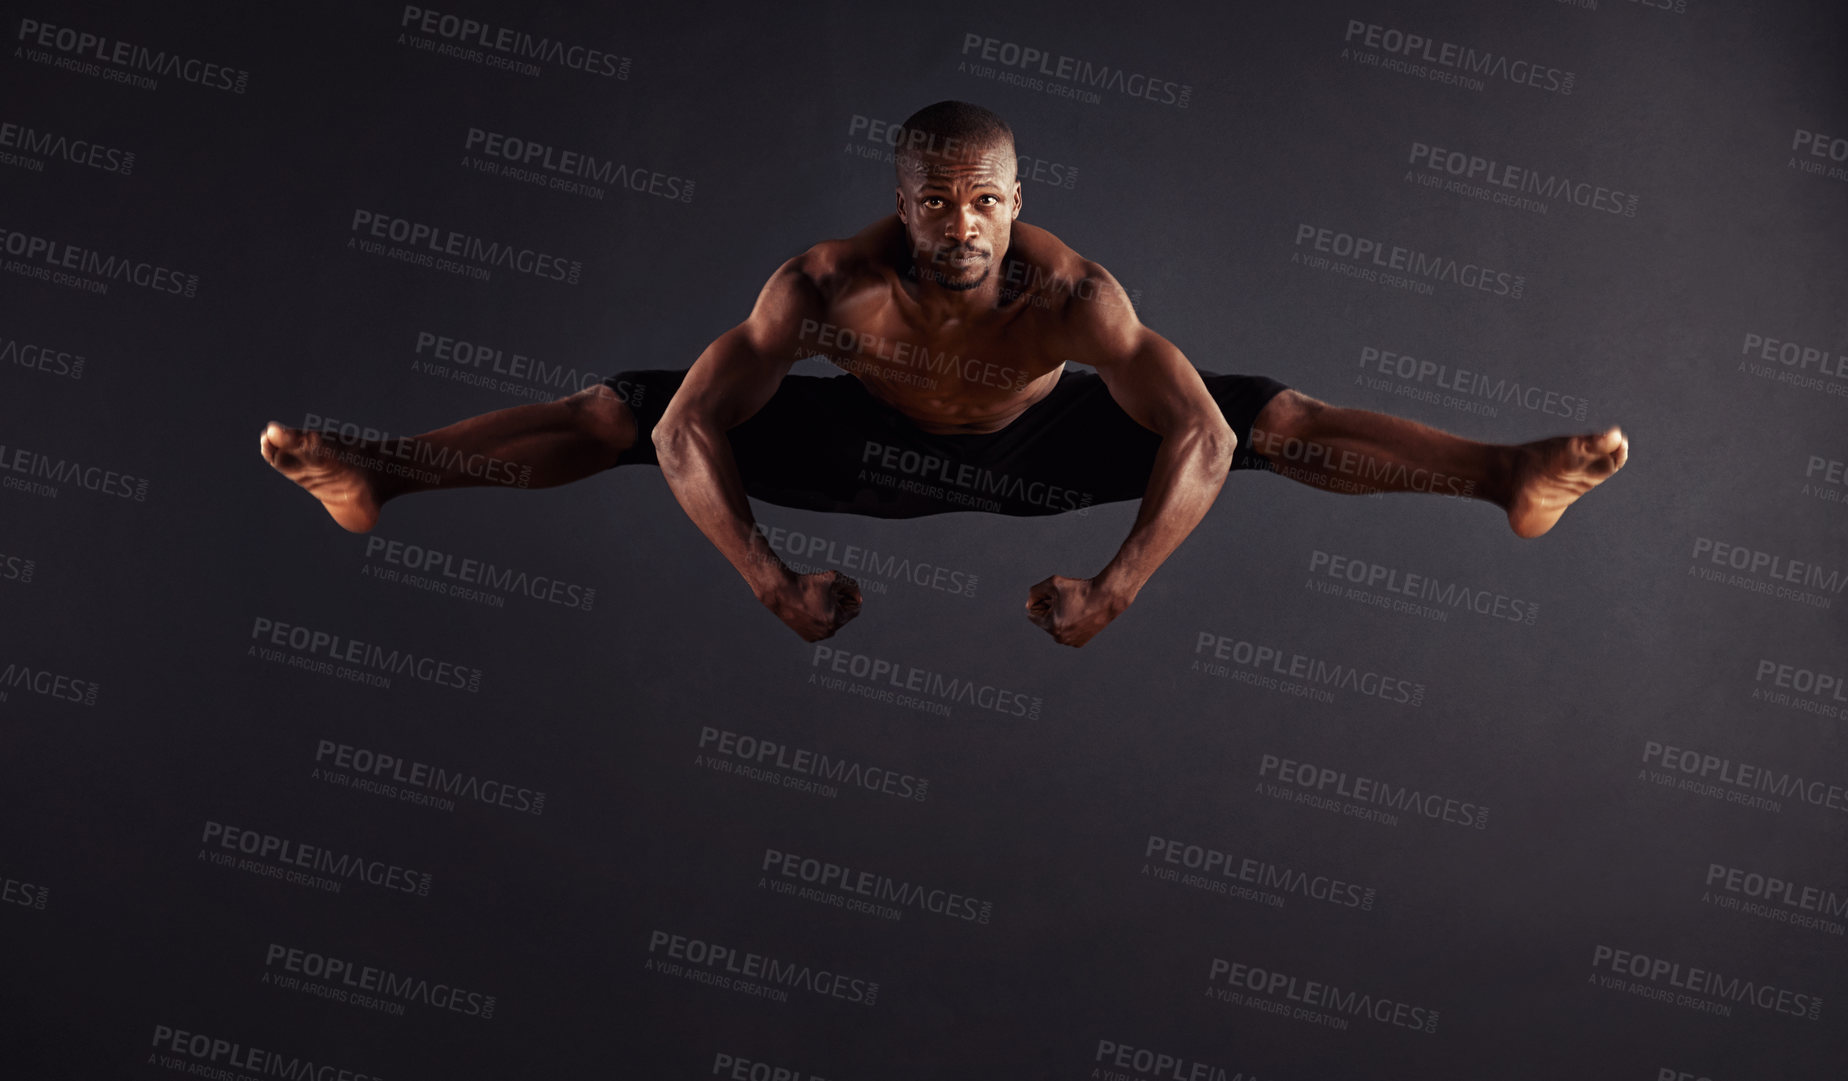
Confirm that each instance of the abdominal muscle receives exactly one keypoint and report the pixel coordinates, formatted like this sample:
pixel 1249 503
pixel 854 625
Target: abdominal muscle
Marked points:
pixel 949 404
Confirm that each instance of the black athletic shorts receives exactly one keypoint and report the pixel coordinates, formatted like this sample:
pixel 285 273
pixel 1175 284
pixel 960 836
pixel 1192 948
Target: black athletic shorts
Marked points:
pixel 825 443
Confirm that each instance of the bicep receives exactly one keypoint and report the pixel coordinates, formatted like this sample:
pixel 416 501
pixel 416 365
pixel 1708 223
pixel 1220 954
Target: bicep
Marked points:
pixel 742 368
pixel 1154 382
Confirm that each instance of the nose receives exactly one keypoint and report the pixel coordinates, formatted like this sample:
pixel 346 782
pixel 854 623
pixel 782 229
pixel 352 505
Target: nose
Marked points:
pixel 961 226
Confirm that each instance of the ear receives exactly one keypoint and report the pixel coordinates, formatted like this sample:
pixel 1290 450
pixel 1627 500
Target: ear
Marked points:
pixel 1016 214
pixel 899 195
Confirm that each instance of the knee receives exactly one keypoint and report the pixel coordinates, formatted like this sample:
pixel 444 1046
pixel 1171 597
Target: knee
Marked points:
pixel 1290 415
pixel 599 413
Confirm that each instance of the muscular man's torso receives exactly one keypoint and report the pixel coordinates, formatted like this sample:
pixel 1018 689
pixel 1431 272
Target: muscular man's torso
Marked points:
pixel 972 373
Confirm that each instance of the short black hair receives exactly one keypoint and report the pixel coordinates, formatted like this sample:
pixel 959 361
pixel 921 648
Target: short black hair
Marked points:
pixel 949 128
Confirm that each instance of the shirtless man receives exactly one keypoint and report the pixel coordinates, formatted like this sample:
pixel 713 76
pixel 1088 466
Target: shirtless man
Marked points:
pixel 954 322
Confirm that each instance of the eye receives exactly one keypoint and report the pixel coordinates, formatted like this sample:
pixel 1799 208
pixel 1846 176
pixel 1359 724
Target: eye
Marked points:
pixel 989 200
pixel 933 202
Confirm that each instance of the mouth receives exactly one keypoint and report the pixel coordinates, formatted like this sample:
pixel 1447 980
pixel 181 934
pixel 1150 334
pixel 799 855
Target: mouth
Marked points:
pixel 964 257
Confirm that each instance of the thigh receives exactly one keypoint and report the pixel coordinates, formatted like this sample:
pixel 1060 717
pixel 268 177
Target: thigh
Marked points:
pixel 828 444
pixel 815 446
pixel 809 447
pixel 645 393
pixel 1082 449
pixel 1241 398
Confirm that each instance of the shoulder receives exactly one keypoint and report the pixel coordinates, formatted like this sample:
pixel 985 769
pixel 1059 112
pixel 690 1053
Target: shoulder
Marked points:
pixel 1058 279
pixel 801 293
pixel 835 266
pixel 1083 311
pixel 1043 256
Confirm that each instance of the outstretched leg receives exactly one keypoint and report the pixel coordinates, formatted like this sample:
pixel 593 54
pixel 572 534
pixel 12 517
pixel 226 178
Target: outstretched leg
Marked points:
pixel 529 446
pixel 1359 451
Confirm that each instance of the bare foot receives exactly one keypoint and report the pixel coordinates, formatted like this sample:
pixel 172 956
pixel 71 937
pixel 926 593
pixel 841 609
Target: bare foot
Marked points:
pixel 345 489
pixel 1552 474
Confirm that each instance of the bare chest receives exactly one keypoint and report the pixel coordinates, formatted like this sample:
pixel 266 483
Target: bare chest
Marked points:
pixel 953 379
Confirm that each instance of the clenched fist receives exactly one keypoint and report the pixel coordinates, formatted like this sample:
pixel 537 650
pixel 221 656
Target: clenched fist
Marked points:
pixel 1072 610
pixel 815 605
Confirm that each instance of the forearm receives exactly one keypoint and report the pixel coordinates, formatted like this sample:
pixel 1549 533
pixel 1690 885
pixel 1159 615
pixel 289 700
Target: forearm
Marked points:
pixel 1190 468
pixel 697 460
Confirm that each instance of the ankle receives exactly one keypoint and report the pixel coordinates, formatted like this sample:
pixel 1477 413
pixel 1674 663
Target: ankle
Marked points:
pixel 1506 466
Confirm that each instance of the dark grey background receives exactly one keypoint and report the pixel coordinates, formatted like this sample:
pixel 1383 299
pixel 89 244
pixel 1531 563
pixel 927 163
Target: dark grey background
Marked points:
pixel 1194 210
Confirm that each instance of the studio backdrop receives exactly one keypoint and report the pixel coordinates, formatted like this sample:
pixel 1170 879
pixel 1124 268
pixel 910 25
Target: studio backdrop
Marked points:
pixel 525 783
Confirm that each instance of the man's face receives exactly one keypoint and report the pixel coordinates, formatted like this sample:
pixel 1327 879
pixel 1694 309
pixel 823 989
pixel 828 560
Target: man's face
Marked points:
pixel 959 211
